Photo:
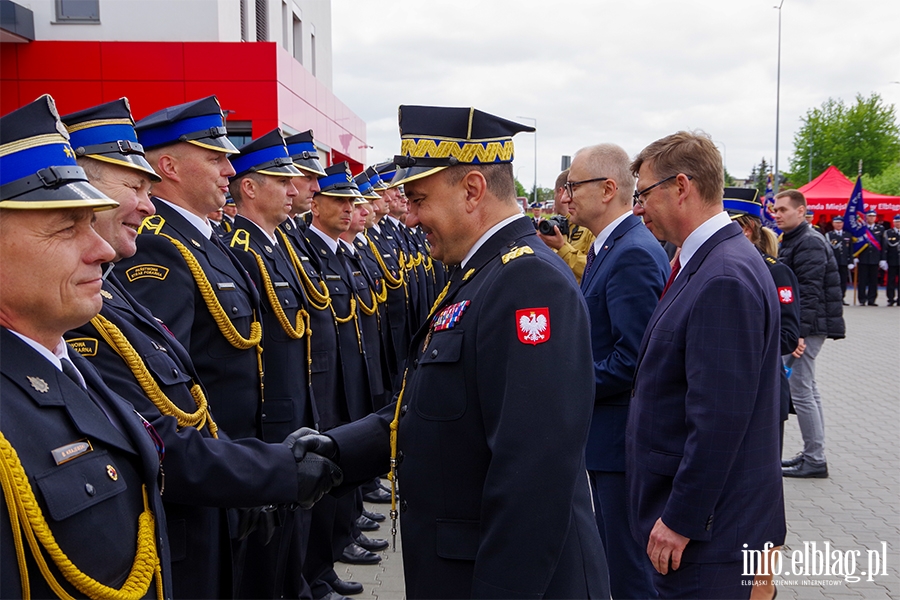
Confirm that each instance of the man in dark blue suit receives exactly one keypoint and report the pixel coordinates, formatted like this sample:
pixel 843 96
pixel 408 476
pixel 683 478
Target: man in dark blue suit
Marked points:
pixel 628 269
pixel 702 457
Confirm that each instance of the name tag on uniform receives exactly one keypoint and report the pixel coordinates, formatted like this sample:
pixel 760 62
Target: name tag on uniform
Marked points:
pixel 281 284
pixel 69 451
pixel 225 285
pixel 333 277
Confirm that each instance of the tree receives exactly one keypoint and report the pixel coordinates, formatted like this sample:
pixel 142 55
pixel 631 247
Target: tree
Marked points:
pixel 758 175
pixel 520 189
pixel 888 182
pixel 729 180
pixel 841 135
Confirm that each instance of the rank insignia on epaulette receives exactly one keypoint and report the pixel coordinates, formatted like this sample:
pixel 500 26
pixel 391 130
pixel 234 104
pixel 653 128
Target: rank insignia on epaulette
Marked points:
pixel 106 294
pixel 516 253
pixel 241 238
pixel 39 384
pixel 449 316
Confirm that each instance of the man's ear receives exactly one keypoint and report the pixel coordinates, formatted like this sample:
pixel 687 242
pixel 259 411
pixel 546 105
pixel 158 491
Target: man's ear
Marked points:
pixel 248 188
pixel 167 166
pixel 684 187
pixel 474 186
pixel 314 206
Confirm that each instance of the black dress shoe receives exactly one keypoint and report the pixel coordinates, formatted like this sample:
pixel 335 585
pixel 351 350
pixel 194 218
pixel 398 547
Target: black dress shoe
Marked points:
pixel 346 588
pixel 366 524
pixel 354 554
pixel 873 304
pixel 793 461
pixel 845 304
pixel 375 516
pixel 372 545
pixel 804 470
pixel 332 595
pixel 377 497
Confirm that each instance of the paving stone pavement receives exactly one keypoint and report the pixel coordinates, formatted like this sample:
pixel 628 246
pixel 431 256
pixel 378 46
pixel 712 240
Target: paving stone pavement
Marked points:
pixel 856 509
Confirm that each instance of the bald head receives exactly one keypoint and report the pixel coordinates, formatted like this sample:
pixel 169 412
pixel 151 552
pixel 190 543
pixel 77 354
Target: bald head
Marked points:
pixel 609 160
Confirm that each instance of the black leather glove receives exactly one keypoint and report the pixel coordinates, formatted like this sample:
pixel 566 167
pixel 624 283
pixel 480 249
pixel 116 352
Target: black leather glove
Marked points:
pixel 309 440
pixel 316 474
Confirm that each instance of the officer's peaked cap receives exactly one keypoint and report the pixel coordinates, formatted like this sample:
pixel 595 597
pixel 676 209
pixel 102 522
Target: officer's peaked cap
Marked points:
pixel 200 122
pixel 741 201
pixel 266 155
pixel 302 148
pixel 338 182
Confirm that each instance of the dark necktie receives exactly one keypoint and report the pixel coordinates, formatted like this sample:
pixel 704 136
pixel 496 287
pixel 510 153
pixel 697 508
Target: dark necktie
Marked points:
pixel 590 260
pixel 676 266
pixel 71 372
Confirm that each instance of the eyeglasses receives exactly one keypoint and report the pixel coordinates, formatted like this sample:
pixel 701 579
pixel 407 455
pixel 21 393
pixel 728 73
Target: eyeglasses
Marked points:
pixel 639 193
pixel 570 185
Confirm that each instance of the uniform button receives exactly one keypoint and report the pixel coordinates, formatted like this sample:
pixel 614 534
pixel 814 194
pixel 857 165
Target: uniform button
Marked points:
pixel 174 372
pixel 403 506
pixel 234 310
pixel 403 409
pixel 89 489
pixel 434 353
pixel 287 301
pixel 264 416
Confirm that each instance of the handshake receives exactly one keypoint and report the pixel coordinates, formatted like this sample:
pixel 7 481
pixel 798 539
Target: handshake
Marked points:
pixel 316 473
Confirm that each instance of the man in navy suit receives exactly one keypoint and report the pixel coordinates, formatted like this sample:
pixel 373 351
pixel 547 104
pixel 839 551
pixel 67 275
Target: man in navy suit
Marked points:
pixel 628 269
pixel 702 457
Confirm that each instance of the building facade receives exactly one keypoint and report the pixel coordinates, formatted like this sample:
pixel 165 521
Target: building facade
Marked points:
pixel 268 61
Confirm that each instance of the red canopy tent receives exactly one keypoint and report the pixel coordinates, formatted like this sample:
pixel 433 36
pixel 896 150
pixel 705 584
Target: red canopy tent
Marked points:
pixel 827 195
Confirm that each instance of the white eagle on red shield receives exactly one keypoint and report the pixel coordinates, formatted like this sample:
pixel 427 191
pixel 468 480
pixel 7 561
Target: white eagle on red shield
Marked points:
pixel 533 325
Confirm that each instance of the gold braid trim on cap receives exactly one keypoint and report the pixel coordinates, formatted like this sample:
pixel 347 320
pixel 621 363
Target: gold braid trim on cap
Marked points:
pixel 295 331
pixel 117 340
pixel 25 515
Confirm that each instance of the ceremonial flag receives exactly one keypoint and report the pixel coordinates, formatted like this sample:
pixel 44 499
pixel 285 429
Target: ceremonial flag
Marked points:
pixel 768 205
pixel 855 221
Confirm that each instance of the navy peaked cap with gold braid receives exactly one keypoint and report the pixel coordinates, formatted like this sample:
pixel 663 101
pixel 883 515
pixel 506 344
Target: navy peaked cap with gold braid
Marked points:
pixel 338 182
pixel 37 163
pixel 106 133
pixel 302 148
pixel 199 122
pixel 375 179
pixel 436 137
pixel 741 201
pixel 267 155
pixel 365 188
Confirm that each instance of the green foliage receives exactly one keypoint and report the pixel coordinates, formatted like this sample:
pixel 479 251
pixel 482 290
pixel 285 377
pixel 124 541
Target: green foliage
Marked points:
pixel 543 195
pixel 520 189
pixel 758 176
pixel 841 135
pixel 888 182
pixel 729 180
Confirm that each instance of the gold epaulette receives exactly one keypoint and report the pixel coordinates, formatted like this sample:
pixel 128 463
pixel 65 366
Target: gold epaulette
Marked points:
pixel 516 253
pixel 241 238
pixel 770 260
pixel 153 224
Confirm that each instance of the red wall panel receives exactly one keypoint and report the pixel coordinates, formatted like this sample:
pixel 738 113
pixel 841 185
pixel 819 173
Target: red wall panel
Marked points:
pixel 145 97
pixel 217 61
pixel 250 100
pixel 142 61
pixel 8 58
pixel 9 96
pixel 70 96
pixel 78 61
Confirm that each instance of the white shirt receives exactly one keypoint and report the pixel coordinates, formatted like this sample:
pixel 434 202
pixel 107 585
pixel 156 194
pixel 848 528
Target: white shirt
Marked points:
pixel 348 247
pixel 202 225
pixel 59 354
pixel 487 235
pixel 271 238
pixel 607 231
pixel 329 241
pixel 699 236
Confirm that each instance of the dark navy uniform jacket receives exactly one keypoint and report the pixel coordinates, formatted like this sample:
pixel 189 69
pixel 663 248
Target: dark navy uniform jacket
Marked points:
pixel 354 370
pixel 840 244
pixel 397 298
pixel 158 277
pixel 91 502
pixel 871 255
pixel 328 388
pixel 890 247
pixel 201 472
pixel 289 402
pixel 479 423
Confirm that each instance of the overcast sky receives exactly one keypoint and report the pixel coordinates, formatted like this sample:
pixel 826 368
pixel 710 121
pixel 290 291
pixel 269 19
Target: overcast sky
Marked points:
pixel 623 72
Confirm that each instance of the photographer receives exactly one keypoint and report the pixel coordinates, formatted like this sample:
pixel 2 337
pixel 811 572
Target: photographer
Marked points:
pixel 571 242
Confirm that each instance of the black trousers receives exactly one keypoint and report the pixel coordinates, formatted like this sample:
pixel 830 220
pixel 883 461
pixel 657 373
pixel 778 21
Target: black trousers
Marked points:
pixel 893 284
pixel 867 283
pixel 844 274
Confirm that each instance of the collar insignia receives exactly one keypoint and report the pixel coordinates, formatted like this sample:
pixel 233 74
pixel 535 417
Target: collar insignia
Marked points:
pixel 39 384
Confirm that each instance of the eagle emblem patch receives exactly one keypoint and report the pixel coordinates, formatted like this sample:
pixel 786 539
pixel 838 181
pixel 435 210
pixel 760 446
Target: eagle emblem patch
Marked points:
pixel 533 325
pixel 786 295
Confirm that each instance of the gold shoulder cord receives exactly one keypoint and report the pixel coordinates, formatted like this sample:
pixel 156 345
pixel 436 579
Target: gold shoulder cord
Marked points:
pixel 319 298
pixel 25 515
pixel 395 428
pixel 391 281
pixel 206 291
pixel 117 340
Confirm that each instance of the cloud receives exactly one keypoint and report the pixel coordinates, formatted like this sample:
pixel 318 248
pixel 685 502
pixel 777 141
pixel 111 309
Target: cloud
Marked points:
pixel 627 73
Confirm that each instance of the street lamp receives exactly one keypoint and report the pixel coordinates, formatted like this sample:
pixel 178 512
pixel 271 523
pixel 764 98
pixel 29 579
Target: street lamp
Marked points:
pixel 778 97
pixel 534 199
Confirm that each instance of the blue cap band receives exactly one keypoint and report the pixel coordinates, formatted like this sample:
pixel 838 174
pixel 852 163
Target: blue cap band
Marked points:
pixel 742 206
pixel 101 134
pixel 171 132
pixel 25 163
pixel 246 162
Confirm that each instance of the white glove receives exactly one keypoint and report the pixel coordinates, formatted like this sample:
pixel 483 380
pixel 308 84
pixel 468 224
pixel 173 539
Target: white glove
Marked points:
pixel 883 265
pixel 850 266
pixel 855 261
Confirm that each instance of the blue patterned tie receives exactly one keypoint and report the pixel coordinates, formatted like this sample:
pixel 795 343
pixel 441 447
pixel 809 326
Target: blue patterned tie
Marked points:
pixel 590 260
